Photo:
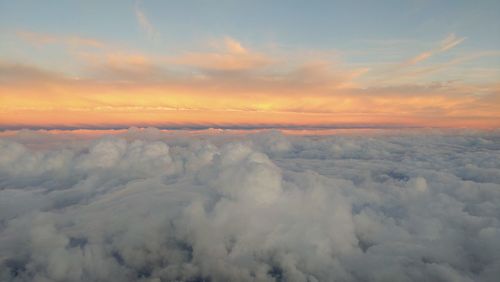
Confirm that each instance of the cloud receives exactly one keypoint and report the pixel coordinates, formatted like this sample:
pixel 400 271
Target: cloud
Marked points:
pixel 420 57
pixel 36 38
pixel 144 21
pixel 234 46
pixel 41 39
pixel 412 71
pixel 131 89
pixel 153 206
pixel 446 44
pixel 244 85
pixel 449 42
pixel 12 73
pixel 230 55
pixel 452 62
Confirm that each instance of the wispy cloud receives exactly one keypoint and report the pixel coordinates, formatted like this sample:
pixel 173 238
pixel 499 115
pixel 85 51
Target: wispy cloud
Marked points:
pixel 144 21
pixel 446 44
pixel 41 39
pixel 450 41
pixel 233 80
pixel 411 70
pixel 234 46
pixel 35 38
pixel 228 55
pixel 130 88
pixel 458 60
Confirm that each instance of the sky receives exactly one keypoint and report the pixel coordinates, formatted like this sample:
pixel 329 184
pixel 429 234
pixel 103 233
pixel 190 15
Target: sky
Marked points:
pixel 249 64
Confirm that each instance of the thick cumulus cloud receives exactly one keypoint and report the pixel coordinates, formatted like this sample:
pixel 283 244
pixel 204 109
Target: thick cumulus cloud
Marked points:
pixel 147 206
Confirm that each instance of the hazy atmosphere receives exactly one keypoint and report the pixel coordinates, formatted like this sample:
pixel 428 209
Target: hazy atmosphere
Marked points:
pixel 170 64
pixel 231 140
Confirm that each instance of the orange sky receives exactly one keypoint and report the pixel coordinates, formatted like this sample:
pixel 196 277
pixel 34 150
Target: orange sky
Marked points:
pixel 230 85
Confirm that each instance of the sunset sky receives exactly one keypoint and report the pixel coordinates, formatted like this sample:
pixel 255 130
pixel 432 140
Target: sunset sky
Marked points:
pixel 249 64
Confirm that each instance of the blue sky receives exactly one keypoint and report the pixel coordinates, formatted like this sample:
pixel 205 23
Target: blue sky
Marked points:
pixel 290 24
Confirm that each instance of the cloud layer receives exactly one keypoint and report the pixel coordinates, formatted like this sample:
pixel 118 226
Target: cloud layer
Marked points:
pixel 149 206
pixel 230 83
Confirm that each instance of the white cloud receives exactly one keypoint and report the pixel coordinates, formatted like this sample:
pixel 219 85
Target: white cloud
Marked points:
pixel 154 206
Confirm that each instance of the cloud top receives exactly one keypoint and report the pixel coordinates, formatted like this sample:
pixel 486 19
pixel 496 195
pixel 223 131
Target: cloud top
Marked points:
pixel 148 206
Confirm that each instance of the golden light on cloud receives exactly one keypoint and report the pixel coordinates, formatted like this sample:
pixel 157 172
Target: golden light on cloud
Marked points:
pixel 232 86
pixel 230 55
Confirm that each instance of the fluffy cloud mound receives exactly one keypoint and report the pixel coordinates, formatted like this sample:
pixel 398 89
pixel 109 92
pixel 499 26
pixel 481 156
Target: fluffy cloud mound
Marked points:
pixel 148 206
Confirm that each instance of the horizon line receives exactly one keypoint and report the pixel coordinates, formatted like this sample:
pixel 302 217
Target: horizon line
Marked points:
pixel 194 127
